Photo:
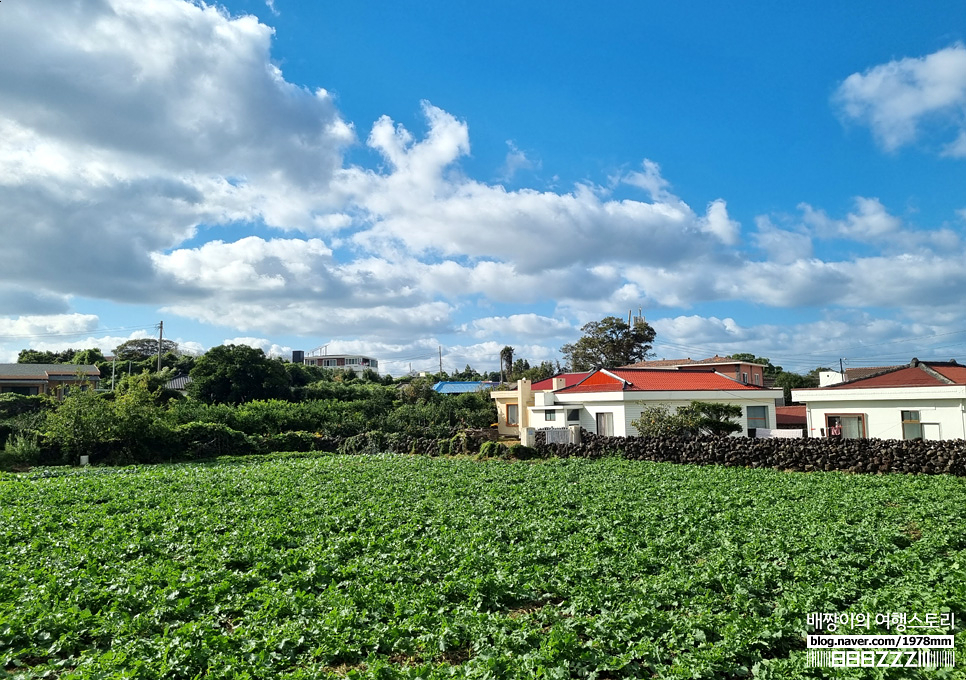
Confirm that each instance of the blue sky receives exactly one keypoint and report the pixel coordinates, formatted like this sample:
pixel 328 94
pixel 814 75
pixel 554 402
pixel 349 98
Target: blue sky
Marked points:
pixel 389 178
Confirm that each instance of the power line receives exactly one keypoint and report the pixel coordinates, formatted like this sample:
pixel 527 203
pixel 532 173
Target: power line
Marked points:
pixel 67 334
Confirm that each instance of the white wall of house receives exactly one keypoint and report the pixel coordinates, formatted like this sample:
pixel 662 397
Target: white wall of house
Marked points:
pixel 628 406
pixel 942 410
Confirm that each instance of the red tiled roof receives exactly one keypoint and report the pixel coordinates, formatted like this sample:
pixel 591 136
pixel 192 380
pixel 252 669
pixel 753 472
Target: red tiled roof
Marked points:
pixel 955 373
pixel 569 379
pixel 920 375
pixel 790 415
pixel 852 374
pixel 656 380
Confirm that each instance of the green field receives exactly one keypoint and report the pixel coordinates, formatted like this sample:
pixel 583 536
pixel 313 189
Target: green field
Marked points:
pixel 393 566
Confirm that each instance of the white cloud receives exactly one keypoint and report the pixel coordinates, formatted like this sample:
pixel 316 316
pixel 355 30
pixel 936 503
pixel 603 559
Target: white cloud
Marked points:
pixel 520 325
pixel 35 326
pixel 516 160
pixel 781 245
pixel 898 99
pixel 424 206
pixel 133 122
pixel 270 348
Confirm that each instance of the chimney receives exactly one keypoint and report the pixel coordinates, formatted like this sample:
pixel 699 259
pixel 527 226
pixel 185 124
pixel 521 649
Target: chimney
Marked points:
pixel 914 363
pixel 559 384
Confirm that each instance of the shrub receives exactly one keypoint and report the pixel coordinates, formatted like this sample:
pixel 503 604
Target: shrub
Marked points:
pixel 207 440
pixel 493 450
pixel 20 450
pixel 370 443
pixel 521 452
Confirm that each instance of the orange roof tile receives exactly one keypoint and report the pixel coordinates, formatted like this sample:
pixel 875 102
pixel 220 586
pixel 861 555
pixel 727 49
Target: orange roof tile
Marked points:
pixel 656 380
pixel 955 373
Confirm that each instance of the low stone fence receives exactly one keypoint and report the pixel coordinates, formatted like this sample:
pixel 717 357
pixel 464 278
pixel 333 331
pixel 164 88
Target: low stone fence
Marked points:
pixel 853 455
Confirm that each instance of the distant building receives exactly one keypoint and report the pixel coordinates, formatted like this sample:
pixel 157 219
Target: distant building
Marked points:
pixel 745 372
pixel 53 379
pixel 356 362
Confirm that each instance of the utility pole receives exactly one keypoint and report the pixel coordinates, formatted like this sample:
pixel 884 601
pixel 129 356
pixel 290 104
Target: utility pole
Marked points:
pixel 160 338
pixel 842 370
pixel 440 362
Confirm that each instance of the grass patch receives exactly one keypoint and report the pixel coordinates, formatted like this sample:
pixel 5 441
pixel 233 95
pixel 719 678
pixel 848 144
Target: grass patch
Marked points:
pixel 390 566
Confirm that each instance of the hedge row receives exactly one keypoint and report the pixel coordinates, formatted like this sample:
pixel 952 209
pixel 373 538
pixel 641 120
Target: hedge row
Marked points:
pixel 198 441
pixel 869 456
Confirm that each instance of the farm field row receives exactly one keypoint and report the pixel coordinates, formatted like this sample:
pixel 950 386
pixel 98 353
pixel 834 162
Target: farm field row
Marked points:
pixel 392 566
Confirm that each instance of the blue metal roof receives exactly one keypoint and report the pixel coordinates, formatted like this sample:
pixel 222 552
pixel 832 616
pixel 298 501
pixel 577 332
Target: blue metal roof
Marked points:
pixel 460 387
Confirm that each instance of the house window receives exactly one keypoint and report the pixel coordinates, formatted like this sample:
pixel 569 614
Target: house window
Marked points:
pixel 757 379
pixel 911 427
pixel 573 415
pixel 549 415
pixel 757 417
pixel 605 424
pixel 744 377
pixel 851 426
pixel 512 414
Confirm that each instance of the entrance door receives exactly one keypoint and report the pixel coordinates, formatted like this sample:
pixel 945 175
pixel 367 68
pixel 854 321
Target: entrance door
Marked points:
pixel 605 424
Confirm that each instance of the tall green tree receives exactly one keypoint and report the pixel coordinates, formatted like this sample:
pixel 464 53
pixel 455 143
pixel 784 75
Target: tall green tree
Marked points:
pixel 143 348
pixel 233 374
pixel 36 356
pixel 506 362
pixel 609 343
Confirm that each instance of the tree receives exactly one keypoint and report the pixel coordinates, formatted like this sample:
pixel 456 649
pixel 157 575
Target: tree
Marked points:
pixel 659 421
pixel 698 417
pixel 794 381
pixel 769 370
pixel 713 418
pixel 506 361
pixel 545 370
pixel 233 374
pixel 143 348
pixel 88 357
pixel 609 343
pixel 36 356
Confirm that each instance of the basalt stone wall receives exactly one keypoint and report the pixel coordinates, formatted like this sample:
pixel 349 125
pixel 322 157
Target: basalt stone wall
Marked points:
pixel 804 455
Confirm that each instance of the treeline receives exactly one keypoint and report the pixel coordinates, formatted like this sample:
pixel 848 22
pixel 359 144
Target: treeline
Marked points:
pixel 138 424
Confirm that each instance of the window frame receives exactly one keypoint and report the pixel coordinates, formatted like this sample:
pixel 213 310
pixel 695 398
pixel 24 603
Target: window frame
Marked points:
pixel 749 419
pixel 911 424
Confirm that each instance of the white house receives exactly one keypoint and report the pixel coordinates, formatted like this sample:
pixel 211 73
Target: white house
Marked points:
pixel 606 401
pixel 922 400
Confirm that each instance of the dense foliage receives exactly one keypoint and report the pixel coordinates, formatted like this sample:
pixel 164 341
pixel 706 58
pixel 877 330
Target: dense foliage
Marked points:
pixel 394 567
pixel 697 418
pixel 233 374
pixel 137 423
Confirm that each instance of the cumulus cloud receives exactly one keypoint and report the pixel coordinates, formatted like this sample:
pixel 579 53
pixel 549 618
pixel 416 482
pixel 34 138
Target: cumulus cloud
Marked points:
pixel 780 245
pixel 520 326
pixel 900 98
pixel 424 205
pixel 270 348
pixel 130 123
